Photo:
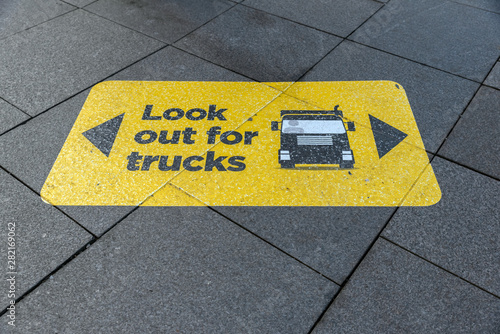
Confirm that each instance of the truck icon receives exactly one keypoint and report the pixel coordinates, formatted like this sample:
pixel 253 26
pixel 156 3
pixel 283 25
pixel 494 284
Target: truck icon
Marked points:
pixel 314 137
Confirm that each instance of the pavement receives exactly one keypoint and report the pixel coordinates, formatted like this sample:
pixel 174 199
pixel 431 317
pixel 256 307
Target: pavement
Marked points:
pixel 121 269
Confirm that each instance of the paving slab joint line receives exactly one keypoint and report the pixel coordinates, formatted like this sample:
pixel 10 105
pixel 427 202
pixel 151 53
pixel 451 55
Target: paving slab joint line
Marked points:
pixel 67 261
pixel 492 87
pixel 467 167
pixel 378 10
pixel 36 25
pixel 24 112
pixel 53 272
pixel 475 7
pixel 463 111
pixel 124 26
pixel 438 266
pixel 251 232
pixel 213 63
pixel 108 19
pixel 57 208
pixel 79 7
pixel 290 20
pixel 379 235
pixel 204 24
pixel 19 124
pixel 88 87
pixel 335 47
pixel 272 245
pixel 412 60
pixel 348 278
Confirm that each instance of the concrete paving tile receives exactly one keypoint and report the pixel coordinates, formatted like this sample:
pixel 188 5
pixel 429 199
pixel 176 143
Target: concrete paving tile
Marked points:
pixel 436 98
pixel 67 55
pixel 493 78
pixel 10 116
pixel 17 16
pixel 171 64
pixel 393 291
pixel 164 20
pixel 461 232
pixel 178 270
pixel 491 5
pixel 330 240
pixel 258 45
pixel 43 237
pixel 30 150
pixel 474 142
pixel 340 17
pixel 459 39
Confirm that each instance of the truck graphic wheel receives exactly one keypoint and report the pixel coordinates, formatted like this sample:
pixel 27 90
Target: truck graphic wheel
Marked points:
pixel 287 164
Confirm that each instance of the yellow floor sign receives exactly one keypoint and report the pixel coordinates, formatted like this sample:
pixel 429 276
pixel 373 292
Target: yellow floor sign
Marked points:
pixel 244 144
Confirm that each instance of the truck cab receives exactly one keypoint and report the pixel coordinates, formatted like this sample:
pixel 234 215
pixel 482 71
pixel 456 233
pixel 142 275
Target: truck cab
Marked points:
pixel 314 137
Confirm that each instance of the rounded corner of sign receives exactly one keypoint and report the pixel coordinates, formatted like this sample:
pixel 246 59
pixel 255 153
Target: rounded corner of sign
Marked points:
pixel 433 197
pixel 394 84
pixel 104 85
pixel 45 198
pixel 437 196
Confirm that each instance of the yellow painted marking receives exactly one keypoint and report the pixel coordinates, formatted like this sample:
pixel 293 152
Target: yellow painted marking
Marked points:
pixel 122 120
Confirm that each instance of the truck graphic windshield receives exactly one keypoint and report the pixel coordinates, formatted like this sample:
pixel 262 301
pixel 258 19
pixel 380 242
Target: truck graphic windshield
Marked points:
pixel 318 127
pixel 314 137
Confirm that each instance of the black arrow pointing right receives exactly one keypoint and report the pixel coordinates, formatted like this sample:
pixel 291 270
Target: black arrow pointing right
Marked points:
pixel 386 137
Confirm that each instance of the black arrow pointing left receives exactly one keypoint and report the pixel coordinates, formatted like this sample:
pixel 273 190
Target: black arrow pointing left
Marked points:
pixel 103 136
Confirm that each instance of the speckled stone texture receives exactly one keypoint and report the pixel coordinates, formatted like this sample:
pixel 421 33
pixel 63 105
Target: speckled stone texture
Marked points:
pixel 43 237
pixel 460 233
pixel 67 55
pixel 330 240
pixel 10 116
pixel 164 20
pixel 441 34
pixel 396 292
pixel 178 269
pixel 475 141
pixel 16 16
pixel 493 78
pixel 339 17
pixel 287 51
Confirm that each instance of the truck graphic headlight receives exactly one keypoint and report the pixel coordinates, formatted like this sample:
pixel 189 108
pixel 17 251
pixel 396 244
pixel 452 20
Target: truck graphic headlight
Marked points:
pixel 284 155
pixel 347 155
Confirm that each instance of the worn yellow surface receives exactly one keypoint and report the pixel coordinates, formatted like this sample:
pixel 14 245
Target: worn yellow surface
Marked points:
pixel 83 175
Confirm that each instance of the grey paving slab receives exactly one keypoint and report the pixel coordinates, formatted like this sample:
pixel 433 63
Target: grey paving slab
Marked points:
pixel 184 270
pixel 493 78
pixel 492 5
pixel 340 17
pixel 171 64
pixel 474 142
pixel 459 39
pixel 436 98
pixel 461 232
pixel 43 237
pixel 164 20
pixel 10 116
pixel 19 15
pixel 259 45
pixel 330 240
pixel 80 3
pixel 29 151
pixel 394 291
pixel 67 54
